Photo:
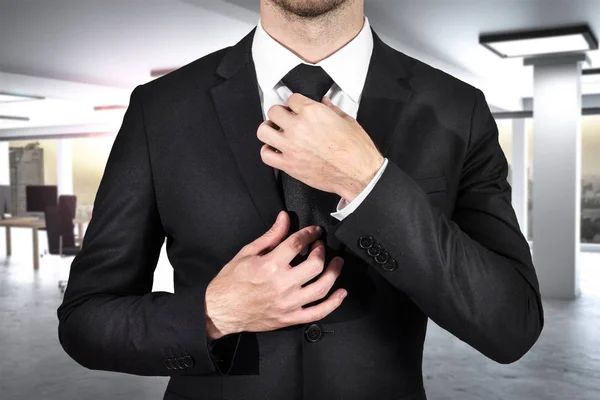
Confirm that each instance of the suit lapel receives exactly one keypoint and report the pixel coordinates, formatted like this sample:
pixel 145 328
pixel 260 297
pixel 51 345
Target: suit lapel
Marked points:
pixel 385 94
pixel 238 107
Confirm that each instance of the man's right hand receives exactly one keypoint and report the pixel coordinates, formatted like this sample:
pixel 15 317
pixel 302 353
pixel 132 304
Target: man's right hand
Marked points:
pixel 258 290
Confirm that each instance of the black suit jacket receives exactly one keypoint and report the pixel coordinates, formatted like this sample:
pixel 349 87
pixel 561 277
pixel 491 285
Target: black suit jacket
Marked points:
pixel 437 237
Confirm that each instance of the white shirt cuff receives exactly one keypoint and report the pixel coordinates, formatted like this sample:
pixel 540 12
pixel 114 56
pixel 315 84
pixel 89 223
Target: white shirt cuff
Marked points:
pixel 344 208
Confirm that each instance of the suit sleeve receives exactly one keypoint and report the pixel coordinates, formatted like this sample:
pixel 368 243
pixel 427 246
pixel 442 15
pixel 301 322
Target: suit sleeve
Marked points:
pixel 347 208
pixel 109 318
pixel 472 274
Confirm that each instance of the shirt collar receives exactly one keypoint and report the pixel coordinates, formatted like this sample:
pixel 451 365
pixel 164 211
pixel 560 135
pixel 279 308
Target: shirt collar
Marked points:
pixel 347 67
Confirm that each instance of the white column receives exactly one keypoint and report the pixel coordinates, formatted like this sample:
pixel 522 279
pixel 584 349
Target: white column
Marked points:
pixel 557 174
pixel 64 166
pixel 520 163
pixel 4 164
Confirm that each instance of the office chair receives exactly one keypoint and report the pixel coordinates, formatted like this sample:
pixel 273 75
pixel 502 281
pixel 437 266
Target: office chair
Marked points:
pixel 70 202
pixel 59 229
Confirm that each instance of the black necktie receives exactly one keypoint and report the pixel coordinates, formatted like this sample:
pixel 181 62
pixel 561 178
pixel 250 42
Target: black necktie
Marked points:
pixel 306 205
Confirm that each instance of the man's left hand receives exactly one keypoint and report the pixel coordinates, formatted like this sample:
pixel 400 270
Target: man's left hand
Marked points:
pixel 320 145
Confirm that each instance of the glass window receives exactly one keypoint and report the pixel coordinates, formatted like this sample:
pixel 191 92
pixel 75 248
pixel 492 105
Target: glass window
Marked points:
pixel 590 179
pixel 590 172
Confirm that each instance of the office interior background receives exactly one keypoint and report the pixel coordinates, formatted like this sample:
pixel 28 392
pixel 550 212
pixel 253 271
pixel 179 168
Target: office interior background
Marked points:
pixel 67 69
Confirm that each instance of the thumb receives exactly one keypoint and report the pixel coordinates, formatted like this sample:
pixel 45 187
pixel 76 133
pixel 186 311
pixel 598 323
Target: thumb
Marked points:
pixel 270 239
pixel 327 101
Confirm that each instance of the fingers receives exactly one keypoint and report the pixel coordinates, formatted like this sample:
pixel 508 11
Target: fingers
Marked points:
pixel 317 312
pixel 272 157
pixel 269 134
pixel 319 289
pixel 297 101
pixel 327 101
pixel 311 267
pixel 272 124
pixel 280 115
pixel 290 247
pixel 270 239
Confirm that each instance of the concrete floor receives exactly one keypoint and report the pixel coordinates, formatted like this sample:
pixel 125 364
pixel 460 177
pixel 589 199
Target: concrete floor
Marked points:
pixel 564 364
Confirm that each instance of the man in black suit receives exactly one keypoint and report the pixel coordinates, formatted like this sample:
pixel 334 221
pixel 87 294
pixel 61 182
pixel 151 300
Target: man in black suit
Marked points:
pixel 310 113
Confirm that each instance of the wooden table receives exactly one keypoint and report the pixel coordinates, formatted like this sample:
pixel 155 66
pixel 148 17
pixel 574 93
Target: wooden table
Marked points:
pixel 35 224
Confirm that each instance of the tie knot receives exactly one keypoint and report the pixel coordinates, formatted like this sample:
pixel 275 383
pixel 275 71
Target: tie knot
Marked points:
pixel 309 80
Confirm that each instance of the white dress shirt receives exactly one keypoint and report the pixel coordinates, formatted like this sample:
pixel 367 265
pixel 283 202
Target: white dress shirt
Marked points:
pixel 348 69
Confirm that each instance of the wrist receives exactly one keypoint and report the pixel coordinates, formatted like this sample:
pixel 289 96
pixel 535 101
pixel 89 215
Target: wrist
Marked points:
pixel 212 332
pixel 213 312
pixel 351 188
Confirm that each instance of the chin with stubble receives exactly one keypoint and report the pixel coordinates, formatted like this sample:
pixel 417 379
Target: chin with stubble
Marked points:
pixel 308 8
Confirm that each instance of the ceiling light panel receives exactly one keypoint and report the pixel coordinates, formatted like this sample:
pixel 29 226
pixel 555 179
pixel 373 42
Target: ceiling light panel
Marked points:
pixel 532 47
pixel 540 42
pixel 6 97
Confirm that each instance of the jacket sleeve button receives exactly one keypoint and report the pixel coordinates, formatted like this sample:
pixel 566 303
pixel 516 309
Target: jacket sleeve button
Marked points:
pixel 365 242
pixel 374 250
pixel 188 361
pixel 180 363
pixel 382 257
pixel 390 265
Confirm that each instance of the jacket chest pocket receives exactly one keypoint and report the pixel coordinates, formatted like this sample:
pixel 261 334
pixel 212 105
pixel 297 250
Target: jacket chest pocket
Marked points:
pixel 436 189
pixel 433 185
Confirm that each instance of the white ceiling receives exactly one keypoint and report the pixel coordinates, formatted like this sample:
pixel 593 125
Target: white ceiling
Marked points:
pixel 87 52
pixel 107 42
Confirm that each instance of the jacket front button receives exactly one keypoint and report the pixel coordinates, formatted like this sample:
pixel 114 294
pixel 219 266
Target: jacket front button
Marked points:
pixel 364 242
pixel 374 250
pixel 313 333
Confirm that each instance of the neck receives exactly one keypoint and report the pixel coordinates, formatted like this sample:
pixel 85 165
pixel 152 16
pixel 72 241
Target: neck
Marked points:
pixel 313 39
